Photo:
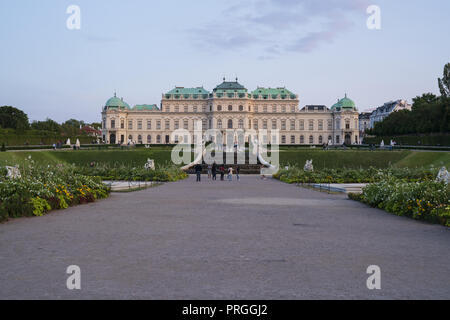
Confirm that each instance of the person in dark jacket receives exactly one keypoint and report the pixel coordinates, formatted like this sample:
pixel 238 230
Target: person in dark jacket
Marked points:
pixel 198 171
pixel 222 172
pixel 214 171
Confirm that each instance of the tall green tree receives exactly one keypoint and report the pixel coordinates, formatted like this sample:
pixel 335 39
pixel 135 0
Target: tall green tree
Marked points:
pixel 444 83
pixel 13 118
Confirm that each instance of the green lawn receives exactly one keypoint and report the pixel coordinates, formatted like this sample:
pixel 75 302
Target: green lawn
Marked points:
pixel 321 159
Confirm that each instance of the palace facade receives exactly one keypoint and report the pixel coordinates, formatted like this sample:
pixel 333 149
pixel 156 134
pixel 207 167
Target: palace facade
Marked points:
pixel 230 106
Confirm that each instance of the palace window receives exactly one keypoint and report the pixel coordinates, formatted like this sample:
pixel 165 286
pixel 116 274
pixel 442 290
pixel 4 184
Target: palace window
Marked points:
pixel 176 124
pixel 230 108
pixel 167 109
pixel 311 125
pixel 204 124
pixel 104 123
pixel 149 124
pixel 186 124
pixel 320 124
pixel 283 109
pixel 158 126
pixel 139 124
pixel 338 124
pixel 241 124
pixel 265 139
pixel 158 139
pixel 230 124
pixel 337 140
pixel 264 124
pixel 330 125
pixel 241 108
pixel 177 109
pixel 283 124
pixel 149 139
pixel 139 139
pixel 167 125
pixel 130 124
pixel 347 124
pixel 249 123
pixel 320 139
pixel 275 139
pixel 195 109
pixel 176 138
pixel 329 139
pixel 274 109
pixel 255 109
pixel 274 124
pixel 302 139
pixel 255 124
pixel 122 124
pixel 283 139
pixel 311 140
pixel 302 124
pixel 186 108
pixel 265 109
pixel 204 108
pixel 292 124
pixel 219 108
pixel 219 124
pixel 293 109
pixel 113 124
pixel 210 123
pixel 292 139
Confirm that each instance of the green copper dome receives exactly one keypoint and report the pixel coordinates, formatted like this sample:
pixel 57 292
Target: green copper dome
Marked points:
pixel 146 107
pixel 344 104
pixel 115 102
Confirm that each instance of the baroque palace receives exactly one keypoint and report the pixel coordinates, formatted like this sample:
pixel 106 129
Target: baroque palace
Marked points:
pixel 230 107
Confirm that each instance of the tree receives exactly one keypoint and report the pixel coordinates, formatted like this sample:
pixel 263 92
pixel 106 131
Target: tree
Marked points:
pixel 13 118
pixel 444 83
pixel 47 125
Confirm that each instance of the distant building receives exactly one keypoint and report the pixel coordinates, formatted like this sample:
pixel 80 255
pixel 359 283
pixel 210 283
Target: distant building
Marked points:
pixel 230 106
pixel 364 124
pixel 386 109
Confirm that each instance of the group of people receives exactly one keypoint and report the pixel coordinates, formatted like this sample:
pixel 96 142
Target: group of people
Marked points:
pixel 214 169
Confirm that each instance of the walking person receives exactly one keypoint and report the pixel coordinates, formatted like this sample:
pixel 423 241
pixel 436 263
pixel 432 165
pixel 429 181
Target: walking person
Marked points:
pixel 222 172
pixel 198 171
pixel 230 174
pixel 209 171
pixel 237 173
pixel 214 171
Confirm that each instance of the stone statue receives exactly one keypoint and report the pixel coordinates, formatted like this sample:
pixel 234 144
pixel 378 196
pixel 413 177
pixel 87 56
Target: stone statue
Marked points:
pixel 13 172
pixel 308 166
pixel 150 165
pixel 443 176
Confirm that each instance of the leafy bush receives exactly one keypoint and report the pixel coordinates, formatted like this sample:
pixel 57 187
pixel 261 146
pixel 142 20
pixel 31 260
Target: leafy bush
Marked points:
pixel 296 174
pixel 43 188
pixel 426 200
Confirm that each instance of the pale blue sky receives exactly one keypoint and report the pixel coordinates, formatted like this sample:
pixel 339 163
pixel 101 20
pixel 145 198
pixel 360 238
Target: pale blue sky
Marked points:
pixel 318 49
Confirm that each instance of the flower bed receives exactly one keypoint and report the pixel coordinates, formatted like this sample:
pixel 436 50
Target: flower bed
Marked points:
pixel 41 189
pixel 296 174
pixel 165 173
pixel 427 200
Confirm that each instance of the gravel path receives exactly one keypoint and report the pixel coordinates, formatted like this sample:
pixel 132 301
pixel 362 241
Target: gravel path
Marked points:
pixel 251 239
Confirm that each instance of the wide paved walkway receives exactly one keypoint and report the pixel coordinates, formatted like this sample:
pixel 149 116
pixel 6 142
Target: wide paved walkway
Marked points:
pixel 251 239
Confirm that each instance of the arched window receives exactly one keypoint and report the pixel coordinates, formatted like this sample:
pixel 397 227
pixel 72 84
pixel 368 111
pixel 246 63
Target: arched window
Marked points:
pixel 241 124
pixel 158 139
pixel 139 139
pixel 241 108
pixel 219 108
pixel 230 108
pixel 320 139
pixel 149 139
pixel 302 139
pixel 230 124
pixel 311 140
